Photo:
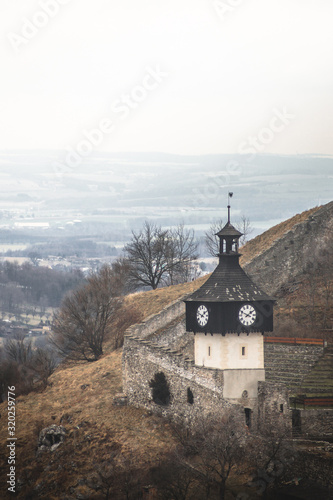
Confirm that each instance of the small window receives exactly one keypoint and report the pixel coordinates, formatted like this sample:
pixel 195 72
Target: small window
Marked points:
pixel 281 408
pixel 190 397
pixel 209 351
pixel 248 417
pixel 243 351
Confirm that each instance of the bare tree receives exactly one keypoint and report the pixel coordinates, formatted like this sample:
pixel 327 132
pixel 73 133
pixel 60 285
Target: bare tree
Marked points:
pixel 175 478
pixel 43 364
pixel 214 448
pixel 120 276
pixel 245 227
pixel 182 253
pixel 273 456
pixel 119 477
pixel 85 318
pixel 18 350
pixel 223 444
pixel 128 315
pixel 211 240
pixel 157 255
pixel 27 365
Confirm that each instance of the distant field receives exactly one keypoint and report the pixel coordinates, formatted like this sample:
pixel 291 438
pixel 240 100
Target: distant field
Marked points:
pixel 19 260
pixel 5 248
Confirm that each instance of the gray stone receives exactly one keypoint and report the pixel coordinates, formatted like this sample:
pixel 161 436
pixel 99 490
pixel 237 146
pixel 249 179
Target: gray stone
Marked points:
pixel 120 400
pixel 51 437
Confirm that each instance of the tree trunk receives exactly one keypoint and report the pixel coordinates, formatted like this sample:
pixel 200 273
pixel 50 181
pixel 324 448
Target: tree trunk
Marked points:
pixel 222 490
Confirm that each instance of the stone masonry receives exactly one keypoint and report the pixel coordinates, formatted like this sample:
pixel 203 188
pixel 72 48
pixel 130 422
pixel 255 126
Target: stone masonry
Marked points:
pixel 161 344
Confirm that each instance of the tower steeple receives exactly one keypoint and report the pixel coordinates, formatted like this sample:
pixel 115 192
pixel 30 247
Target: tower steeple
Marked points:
pixel 229 301
pixel 228 315
pixel 229 238
pixel 230 195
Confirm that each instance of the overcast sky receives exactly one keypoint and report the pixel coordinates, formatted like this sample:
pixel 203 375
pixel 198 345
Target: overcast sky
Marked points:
pixel 178 76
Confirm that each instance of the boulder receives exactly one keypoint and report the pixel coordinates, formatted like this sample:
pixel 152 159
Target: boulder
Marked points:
pixel 51 437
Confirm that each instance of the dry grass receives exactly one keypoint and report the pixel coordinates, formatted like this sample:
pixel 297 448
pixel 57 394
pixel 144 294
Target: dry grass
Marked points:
pixel 80 398
pixel 154 301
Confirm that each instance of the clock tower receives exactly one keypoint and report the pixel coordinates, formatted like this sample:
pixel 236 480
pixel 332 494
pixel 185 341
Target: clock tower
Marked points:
pixel 228 315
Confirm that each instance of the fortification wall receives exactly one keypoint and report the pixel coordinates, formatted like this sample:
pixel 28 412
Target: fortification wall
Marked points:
pixel 317 423
pixel 156 321
pixel 142 360
pixel 273 403
pixel 157 345
pixel 160 344
pixel 290 363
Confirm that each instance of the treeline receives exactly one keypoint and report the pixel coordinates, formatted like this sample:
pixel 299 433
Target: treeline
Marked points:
pixel 65 247
pixel 24 367
pixel 24 287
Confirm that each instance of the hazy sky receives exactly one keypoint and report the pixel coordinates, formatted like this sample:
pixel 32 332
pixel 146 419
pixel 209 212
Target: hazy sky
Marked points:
pixel 178 76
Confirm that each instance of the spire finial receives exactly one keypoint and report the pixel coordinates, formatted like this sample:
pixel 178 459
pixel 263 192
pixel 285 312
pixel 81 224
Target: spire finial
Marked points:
pixel 230 195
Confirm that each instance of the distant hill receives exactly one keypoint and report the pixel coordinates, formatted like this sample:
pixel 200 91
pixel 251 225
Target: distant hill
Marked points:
pixel 119 191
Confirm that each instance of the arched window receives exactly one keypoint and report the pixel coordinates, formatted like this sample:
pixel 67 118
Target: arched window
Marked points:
pixel 161 392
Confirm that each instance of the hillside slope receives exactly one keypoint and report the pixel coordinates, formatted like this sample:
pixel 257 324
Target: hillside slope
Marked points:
pixel 264 241
pixel 81 397
pixel 280 255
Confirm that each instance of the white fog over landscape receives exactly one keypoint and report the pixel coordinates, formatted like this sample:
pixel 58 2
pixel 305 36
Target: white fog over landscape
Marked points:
pixel 122 190
pixel 113 113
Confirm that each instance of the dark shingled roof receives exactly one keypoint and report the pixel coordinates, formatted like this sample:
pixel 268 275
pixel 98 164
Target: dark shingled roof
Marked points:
pixel 228 283
pixel 229 230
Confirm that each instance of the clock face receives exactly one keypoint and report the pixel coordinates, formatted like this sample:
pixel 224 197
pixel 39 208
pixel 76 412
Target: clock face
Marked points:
pixel 247 315
pixel 202 315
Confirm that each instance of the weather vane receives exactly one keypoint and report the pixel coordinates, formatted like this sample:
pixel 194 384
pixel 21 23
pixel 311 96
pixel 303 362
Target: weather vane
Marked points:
pixel 230 195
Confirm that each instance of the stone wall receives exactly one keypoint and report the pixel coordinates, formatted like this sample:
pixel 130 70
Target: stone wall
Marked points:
pixel 317 423
pixel 142 359
pixel 288 363
pixel 284 260
pixel 273 403
pixel 153 323
pixel 160 344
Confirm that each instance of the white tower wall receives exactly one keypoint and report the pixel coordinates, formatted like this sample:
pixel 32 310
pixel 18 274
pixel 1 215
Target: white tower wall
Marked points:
pixel 229 352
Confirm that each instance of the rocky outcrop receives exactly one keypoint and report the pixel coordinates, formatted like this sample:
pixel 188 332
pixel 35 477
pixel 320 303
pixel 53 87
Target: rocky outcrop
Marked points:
pixel 51 437
pixel 284 261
